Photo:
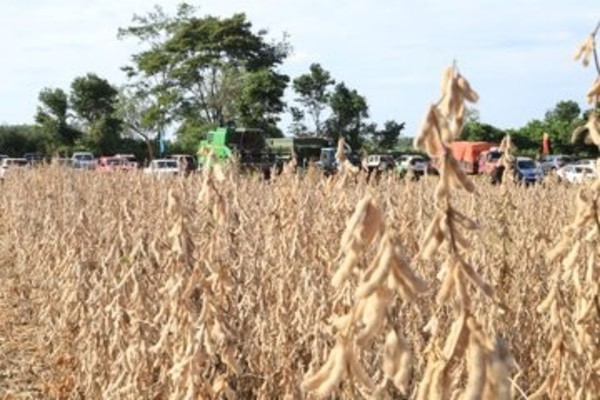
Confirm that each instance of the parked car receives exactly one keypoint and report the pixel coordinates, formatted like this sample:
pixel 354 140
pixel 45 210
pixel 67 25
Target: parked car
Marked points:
pixel 130 158
pixel 162 167
pixel 589 162
pixel 14 162
pixel 83 160
pixel 380 162
pixel 7 164
pixel 108 164
pixel 186 162
pixel 528 171
pixel 554 161
pixel 62 162
pixel 415 163
pixel 577 173
pixel 33 158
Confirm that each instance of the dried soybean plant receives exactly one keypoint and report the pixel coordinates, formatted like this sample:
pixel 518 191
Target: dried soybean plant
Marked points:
pixel 572 304
pixel 585 52
pixel 507 160
pixel 93 282
pixel 486 360
pixel 389 273
pixel 345 169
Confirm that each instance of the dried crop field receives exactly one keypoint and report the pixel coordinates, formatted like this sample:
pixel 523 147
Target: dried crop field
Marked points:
pixel 220 286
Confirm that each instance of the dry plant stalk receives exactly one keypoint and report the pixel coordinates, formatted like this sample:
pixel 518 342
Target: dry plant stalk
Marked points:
pixel 443 124
pixel 572 304
pixel 389 273
pixel 99 301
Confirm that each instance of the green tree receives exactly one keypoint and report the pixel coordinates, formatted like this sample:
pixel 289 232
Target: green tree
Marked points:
pixel 478 131
pixel 387 137
pixel 195 67
pixel 348 111
pixel 94 102
pixel 560 123
pixel 475 130
pixel 52 116
pixel 261 100
pixel 312 89
pixel 16 140
pixel 297 127
pixel 141 117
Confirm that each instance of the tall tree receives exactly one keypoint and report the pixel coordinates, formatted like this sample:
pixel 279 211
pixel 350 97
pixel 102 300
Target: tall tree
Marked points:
pixel 15 140
pixel 140 117
pixel 94 102
pixel 387 137
pixel 348 111
pixel 196 66
pixel 261 100
pixel 479 131
pixel 312 89
pixel 297 127
pixel 52 115
pixel 558 122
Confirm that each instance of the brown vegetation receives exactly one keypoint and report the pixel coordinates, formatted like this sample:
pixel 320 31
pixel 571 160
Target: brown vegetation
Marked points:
pixel 125 287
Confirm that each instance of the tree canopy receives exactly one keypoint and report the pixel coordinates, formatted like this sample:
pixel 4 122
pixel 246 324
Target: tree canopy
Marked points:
pixel 207 71
pixel 194 72
pixel 313 93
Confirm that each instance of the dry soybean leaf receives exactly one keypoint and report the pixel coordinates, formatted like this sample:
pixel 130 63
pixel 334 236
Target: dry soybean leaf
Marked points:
pixel 324 381
pixel 466 89
pixel 457 340
pixel 585 50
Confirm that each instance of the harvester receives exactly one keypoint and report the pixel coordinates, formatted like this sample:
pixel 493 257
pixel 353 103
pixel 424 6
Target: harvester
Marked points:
pixel 248 145
pixel 305 149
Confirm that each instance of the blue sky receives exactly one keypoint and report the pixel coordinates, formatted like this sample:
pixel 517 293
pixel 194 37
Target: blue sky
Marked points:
pixel 516 54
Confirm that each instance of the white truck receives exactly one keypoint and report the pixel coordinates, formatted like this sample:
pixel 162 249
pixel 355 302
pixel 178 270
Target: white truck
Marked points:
pixel 162 167
pixel 83 160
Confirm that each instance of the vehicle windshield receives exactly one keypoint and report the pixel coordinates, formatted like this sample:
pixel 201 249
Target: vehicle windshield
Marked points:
pixel 582 170
pixel 494 155
pixel 84 157
pixel 167 164
pixel 417 160
pixel 16 162
pixel 526 164
pixel 115 161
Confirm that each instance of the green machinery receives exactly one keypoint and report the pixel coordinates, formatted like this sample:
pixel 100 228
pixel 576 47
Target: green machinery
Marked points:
pixel 306 149
pixel 253 149
pixel 248 145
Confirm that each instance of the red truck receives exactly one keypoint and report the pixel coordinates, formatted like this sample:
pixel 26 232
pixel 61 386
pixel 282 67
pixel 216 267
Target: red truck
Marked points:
pixel 468 154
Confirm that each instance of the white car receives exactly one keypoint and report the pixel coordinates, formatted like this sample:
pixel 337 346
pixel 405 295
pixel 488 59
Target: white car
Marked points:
pixel 528 170
pixel 554 162
pixel 380 162
pixel 591 162
pixel 577 173
pixel 83 160
pixel 163 167
pixel 11 163
pixel 413 162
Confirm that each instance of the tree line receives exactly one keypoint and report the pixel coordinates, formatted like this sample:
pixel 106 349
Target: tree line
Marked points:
pixel 193 73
